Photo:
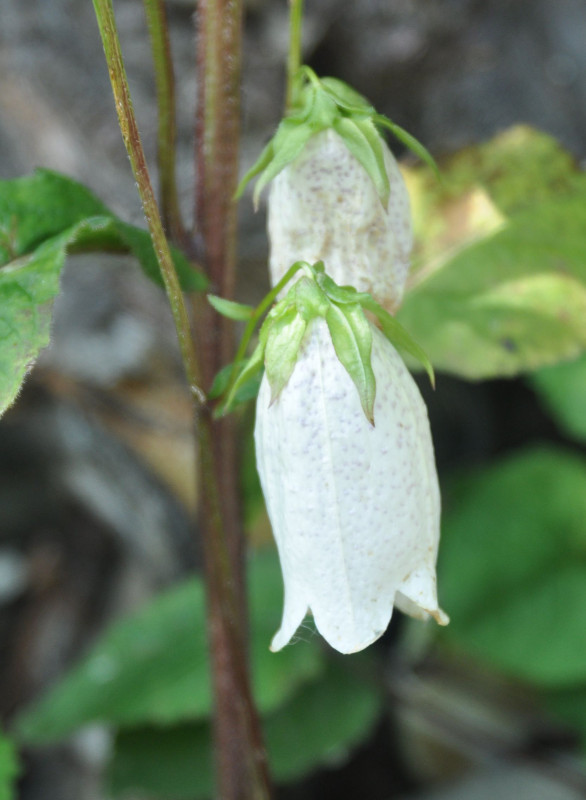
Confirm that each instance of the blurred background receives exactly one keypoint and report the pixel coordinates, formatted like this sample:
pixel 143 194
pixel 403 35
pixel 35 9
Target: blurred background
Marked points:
pixel 96 460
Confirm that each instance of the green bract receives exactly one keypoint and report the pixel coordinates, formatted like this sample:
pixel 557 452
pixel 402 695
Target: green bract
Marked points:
pixel 281 335
pixel 319 104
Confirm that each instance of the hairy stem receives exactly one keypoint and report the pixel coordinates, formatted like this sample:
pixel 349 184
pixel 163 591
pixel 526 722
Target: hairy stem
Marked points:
pixel 166 131
pixel 294 56
pixel 242 772
pixel 128 126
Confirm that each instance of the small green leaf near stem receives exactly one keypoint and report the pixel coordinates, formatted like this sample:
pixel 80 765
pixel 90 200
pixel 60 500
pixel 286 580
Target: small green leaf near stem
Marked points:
pixel 131 136
pixel 254 319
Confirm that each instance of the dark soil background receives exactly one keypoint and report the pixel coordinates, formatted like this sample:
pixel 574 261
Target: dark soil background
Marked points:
pixel 95 459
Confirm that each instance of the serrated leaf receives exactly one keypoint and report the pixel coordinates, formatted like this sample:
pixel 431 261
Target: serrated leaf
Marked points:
pixel 283 342
pixel 9 768
pixel 228 308
pixel 321 724
pixel 364 142
pixel 512 565
pixel 153 666
pixel 396 334
pixel 352 341
pixel 35 208
pixel 409 141
pixel 33 248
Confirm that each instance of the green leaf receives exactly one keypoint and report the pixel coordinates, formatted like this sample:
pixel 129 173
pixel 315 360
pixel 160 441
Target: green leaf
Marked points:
pixel 352 340
pixel 284 339
pixel 33 247
pixel 9 768
pixel 172 763
pixel 512 566
pixel 230 309
pixel 563 390
pixel 319 725
pixel 323 722
pixel 511 302
pixel 364 142
pixel 245 381
pixel 153 666
pixel 569 705
pixel 38 207
pixel 246 390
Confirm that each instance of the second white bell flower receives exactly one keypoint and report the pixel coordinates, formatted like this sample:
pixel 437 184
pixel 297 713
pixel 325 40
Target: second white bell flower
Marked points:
pixel 355 508
pixel 324 206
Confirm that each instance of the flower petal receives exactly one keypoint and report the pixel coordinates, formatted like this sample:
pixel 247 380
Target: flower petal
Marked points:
pixel 354 508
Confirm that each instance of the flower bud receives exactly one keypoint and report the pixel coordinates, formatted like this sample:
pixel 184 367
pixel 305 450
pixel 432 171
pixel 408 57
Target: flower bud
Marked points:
pixel 354 507
pixel 324 206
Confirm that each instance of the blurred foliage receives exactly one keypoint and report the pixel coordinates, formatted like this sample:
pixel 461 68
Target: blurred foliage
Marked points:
pixel 563 391
pixel 318 725
pixel 499 288
pixel 148 674
pixel 42 218
pixel 512 567
pixel 9 768
pixel 499 283
pixel 152 667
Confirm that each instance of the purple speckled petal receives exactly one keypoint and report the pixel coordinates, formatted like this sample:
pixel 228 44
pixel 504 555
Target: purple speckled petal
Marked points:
pixel 324 207
pixel 354 508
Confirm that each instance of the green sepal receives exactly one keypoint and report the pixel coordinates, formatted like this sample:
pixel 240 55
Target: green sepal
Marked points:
pixel 228 308
pixel 327 103
pixel 346 97
pixel 364 142
pixel 282 348
pixel 261 163
pixel 396 334
pixel 289 141
pixel 314 296
pixel 409 141
pixel 309 299
pixel 352 340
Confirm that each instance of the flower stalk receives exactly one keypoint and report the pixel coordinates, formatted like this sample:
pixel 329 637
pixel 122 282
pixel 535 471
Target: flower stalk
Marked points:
pixel 134 148
pixel 242 771
pixel 294 56
pixel 166 125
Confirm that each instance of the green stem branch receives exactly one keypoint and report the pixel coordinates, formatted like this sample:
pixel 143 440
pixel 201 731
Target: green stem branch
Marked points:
pixel 130 134
pixel 294 56
pixel 166 132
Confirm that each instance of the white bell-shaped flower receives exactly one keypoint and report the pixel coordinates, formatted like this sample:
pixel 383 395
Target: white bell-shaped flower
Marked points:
pixel 354 507
pixel 324 206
